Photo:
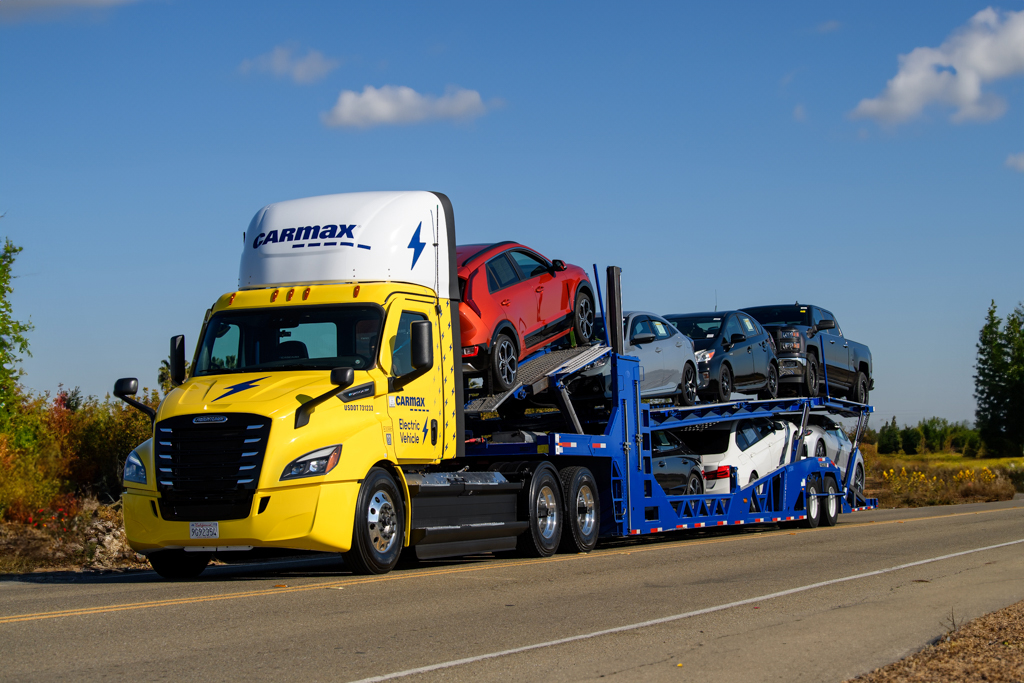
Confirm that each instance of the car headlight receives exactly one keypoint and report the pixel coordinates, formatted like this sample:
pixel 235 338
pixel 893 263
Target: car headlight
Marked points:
pixel 134 470
pixel 315 464
pixel 704 356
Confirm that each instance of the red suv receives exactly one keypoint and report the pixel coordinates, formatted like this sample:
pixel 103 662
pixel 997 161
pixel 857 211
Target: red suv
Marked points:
pixel 515 301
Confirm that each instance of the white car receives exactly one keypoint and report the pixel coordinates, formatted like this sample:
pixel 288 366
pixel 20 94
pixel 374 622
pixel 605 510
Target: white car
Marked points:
pixel 668 368
pixel 754 446
pixel 825 439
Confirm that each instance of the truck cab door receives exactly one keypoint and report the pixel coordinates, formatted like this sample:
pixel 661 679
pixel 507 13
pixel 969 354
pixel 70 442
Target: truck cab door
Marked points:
pixel 836 349
pixel 415 409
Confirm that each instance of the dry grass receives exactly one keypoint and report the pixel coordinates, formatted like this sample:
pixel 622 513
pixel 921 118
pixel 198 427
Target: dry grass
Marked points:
pixel 939 479
pixel 90 538
pixel 990 648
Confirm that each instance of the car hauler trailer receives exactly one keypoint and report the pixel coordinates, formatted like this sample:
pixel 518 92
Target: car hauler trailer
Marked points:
pixel 325 411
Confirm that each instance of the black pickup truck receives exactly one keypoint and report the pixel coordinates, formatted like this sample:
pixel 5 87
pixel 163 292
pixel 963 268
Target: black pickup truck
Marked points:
pixel 801 334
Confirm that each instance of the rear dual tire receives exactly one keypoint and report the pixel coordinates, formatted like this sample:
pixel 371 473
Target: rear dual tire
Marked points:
pixel 582 510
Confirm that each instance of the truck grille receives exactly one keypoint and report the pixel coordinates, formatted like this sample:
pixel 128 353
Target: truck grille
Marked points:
pixel 208 466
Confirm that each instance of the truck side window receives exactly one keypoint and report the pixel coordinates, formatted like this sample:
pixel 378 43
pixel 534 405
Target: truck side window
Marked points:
pixel 500 273
pixel 401 356
pixel 825 315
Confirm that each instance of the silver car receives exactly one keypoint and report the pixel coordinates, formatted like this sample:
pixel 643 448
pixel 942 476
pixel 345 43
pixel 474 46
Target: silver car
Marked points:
pixel 668 368
pixel 823 438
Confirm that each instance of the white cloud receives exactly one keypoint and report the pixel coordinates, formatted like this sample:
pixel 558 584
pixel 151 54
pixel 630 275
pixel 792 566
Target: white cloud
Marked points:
pixel 399 105
pixel 828 26
pixel 16 9
pixel 282 63
pixel 988 48
pixel 1016 162
pixel 799 113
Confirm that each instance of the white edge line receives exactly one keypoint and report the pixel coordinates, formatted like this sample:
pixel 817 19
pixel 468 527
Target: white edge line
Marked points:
pixel 675 617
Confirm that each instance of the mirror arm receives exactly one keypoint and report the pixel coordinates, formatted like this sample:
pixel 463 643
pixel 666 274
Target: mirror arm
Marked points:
pixel 141 407
pixel 398 383
pixel 302 412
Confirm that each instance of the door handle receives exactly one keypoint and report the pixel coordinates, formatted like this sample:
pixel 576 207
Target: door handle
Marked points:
pixel 831 341
pixel 846 346
pixel 506 302
pixel 657 349
pixel 539 290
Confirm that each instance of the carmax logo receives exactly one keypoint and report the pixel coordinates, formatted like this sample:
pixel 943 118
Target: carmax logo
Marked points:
pixel 204 419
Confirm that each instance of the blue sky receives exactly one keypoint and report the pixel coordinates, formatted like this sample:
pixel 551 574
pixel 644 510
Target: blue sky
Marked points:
pixel 757 153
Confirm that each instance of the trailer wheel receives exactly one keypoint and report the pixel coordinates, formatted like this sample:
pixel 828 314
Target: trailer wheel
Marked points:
pixel 830 507
pixel 543 504
pixel 583 318
pixel 812 504
pixel 177 565
pixel 378 526
pixel 582 510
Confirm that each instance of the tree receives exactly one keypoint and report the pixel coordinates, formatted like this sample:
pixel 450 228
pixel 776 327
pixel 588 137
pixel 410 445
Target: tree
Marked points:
pixel 889 438
pixel 1013 339
pixel 991 390
pixel 911 439
pixel 13 341
pixel 163 376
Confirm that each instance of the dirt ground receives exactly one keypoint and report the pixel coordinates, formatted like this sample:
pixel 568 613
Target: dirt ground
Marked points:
pixel 989 648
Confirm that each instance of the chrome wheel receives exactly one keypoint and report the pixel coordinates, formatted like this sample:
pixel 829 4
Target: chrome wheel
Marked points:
pixel 547 512
pixel 858 479
pixel 586 517
pixel 508 363
pixel 585 318
pixel 812 503
pixel 832 503
pixel 382 521
pixel 690 384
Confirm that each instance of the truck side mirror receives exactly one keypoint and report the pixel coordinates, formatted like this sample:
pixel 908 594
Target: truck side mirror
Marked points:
pixel 737 338
pixel 826 324
pixel 343 377
pixel 178 360
pixel 422 344
pixel 558 265
pixel 125 389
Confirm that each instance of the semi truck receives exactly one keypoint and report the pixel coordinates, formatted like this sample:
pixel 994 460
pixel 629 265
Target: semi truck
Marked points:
pixel 325 410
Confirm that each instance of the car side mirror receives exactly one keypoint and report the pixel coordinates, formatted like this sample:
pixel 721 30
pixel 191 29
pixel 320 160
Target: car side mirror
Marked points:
pixel 558 265
pixel 177 360
pixel 737 338
pixel 422 344
pixel 125 389
pixel 642 338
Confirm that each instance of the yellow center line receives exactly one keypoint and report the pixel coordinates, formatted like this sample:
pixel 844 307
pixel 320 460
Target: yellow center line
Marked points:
pixel 444 571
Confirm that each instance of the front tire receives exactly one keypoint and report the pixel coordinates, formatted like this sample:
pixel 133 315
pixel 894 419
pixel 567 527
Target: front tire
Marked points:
pixel 543 505
pixel 771 385
pixel 723 392
pixel 810 385
pixel 583 318
pixel 688 396
pixel 378 527
pixel 504 363
pixel 582 510
pixel 177 565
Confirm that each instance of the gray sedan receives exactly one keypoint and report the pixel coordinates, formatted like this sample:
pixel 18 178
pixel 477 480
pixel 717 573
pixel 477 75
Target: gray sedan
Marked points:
pixel 667 365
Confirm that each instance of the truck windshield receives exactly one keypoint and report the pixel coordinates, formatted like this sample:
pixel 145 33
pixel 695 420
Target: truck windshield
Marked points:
pixel 781 315
pixel 307 338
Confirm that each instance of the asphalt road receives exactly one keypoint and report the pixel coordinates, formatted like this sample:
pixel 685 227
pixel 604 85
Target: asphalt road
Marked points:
pixel 758 604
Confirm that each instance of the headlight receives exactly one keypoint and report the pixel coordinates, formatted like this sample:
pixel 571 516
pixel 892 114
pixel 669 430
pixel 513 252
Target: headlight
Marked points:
pixel 134 470
pixel 314 464
pixel 789 340
pixel 705 356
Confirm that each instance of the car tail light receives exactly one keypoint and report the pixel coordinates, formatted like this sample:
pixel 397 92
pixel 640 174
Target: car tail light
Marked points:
pixel 720 473
pixel 470 351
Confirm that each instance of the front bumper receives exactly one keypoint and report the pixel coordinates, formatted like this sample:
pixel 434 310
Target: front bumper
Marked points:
pixel 310 517
pixel 792 369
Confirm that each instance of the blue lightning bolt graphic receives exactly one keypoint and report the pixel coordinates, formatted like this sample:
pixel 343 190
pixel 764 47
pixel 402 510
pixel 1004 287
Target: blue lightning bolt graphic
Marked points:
pixel 241 386
pixel 417 245
pixel 424 430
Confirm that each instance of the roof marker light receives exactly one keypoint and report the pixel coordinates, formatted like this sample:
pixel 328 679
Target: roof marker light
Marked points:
pixel 232 299
pixel 291 293
pixel 273 297
pixel 305 295
pixel 355 292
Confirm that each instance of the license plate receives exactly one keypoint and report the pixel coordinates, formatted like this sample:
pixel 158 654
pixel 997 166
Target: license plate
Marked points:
pixel 204 529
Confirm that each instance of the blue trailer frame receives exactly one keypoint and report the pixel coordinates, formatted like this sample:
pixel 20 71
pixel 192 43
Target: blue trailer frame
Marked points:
pixel 632 501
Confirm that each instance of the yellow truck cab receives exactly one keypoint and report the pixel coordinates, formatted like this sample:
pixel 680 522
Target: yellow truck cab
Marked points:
pixel 329 369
